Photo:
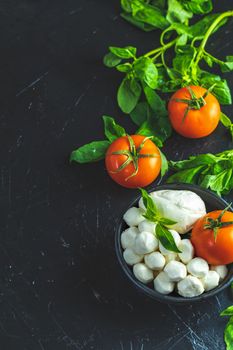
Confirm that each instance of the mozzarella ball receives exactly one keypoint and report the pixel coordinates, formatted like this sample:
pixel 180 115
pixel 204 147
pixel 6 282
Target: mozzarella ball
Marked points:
pixel 190 287
pixel 143 273
pixel 175 270
pixel 177 240
pixel 145 242
pixel 155 261
pixel 171 256
pixel 133 216
pixel 131 257
pixel 184 207
pixel 187 249
pixel 221 270
pixel 211 280
pixel 141 204
pixel 198 267
pixel 128 237
pixel 147 226
pixel 162 284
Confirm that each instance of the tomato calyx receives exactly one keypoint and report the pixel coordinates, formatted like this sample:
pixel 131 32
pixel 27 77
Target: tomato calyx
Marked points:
pixel 216 224
pixel 133 155
pixel 194 103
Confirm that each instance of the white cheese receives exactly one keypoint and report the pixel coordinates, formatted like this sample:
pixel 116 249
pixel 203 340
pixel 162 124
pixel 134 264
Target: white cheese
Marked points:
pixel 145 243
pixel 143 273
pixel 190 287
pixel 133 216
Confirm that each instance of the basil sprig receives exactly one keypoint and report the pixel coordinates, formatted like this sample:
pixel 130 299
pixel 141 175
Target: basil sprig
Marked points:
pixel 161 231
pixel 228 332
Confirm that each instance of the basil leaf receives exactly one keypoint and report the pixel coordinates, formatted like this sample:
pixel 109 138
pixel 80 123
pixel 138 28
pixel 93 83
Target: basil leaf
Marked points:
pixel 164 164
pixel 228 311
pixel 123 52
pixel 151 210
pixel 128 95
pixel 221 89
pixel 126 5
pixel 125 67
pixel 146 70
pixel 227 123
pixel 193 161
pixel 219 183
pixel 228 65
pixel 166 238
pixel 140 113
pixel 111 129
pixel 155 102
pixel 199 28
pixel 176 12
pixel 167 222
pixel 228 335
pixel 198 6
pixel 91 152
pixel 110 60
pixel 146 129
pixel 144 26
pixel 184 59
pixel 186 176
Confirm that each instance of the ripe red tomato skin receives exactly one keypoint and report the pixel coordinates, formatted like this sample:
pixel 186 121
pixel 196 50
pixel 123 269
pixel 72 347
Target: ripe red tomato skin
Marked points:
pixel 149 168
pixel 215 253
pixel 198 123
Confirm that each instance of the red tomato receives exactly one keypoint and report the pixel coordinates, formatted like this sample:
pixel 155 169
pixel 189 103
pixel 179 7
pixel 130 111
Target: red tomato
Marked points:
pixel 215 252
pixel 147 159
pixel 197 122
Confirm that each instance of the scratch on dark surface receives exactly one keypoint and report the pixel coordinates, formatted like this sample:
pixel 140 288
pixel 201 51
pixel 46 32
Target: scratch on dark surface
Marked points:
pixel 85 92
pixel 32 84
pixel 218 302
pixel 74 11
pixel 96 295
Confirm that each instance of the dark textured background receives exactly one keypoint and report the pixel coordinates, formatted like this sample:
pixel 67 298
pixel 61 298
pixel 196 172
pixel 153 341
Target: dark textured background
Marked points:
pixel 60 283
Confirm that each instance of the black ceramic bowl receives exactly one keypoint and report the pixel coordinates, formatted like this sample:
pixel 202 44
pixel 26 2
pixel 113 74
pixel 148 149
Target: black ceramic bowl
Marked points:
pixel 212 202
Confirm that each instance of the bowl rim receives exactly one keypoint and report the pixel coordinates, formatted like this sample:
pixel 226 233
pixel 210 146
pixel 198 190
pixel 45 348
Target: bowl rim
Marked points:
pixel 128 269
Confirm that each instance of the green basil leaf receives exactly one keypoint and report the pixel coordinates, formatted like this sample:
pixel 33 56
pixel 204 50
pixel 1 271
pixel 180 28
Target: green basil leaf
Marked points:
pixel 140 113
pixel 198 6
pixel 177 13
pixel 228 311
pixel 146 70
pixel 147 130
pixel 199 28
pixel 150 206
pixel 228 65
pixel 184 59
pixel 193 161
pixel 228 335
pixel 111 129
pixel 126 5
pixel 219 183
pixel 125 67
pixel 110 60
pixel 123 52
pixel 227 123
pixel 155 102
pixel 221 89
pixel 128 95
pixel 91 152
pixel 164 164
pixel 186 176
pixel 143 26
pixel 166 238
pixel 167 222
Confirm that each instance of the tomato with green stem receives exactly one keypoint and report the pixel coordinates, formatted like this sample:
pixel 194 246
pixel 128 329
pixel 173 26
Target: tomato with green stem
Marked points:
pixel 194 112
pixel 133 161
pixel 212 237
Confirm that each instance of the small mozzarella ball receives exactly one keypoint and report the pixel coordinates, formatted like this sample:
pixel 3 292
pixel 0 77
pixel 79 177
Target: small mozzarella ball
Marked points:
pixel 162 284
pixel 211 280
pixel 187 249
pixel 133 216
pixel 155 261
pixel 141 204
pixel 190 287
pixel 143 273
pixel 221 270
pixel 128 237
pixel 147 226
pixel 175 270
pixel 198 267
pixel 131 257
pixel 171 256
pixel 145 242
pixel 177 240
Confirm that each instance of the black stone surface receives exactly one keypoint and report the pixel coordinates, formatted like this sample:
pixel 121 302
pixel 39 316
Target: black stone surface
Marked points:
pixel 61 286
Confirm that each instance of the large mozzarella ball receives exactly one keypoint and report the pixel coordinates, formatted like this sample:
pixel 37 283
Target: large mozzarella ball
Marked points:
pixel 187 249
pixel 131 257
pixel 128 237
pixel 211 280
pixel 221 270
pixel 162 284
pixel 177 240
pixel 143 273
pixel 147 226
pixel 145 243
pixel 198 267
pixel 155 260
pixel 133 216
pixel 190 287
pixel 175 270
pixel 184 207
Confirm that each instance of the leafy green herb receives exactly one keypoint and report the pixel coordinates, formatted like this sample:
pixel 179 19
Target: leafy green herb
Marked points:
pixel 92 152
pixel 228 332
pixel 214 172
pixel 128 94
pixel 111 129
pixel 161 231
pixel 227 123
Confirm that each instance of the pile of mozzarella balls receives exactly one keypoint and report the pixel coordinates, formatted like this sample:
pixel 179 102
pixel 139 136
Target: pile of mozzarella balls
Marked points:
pixel 184 273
